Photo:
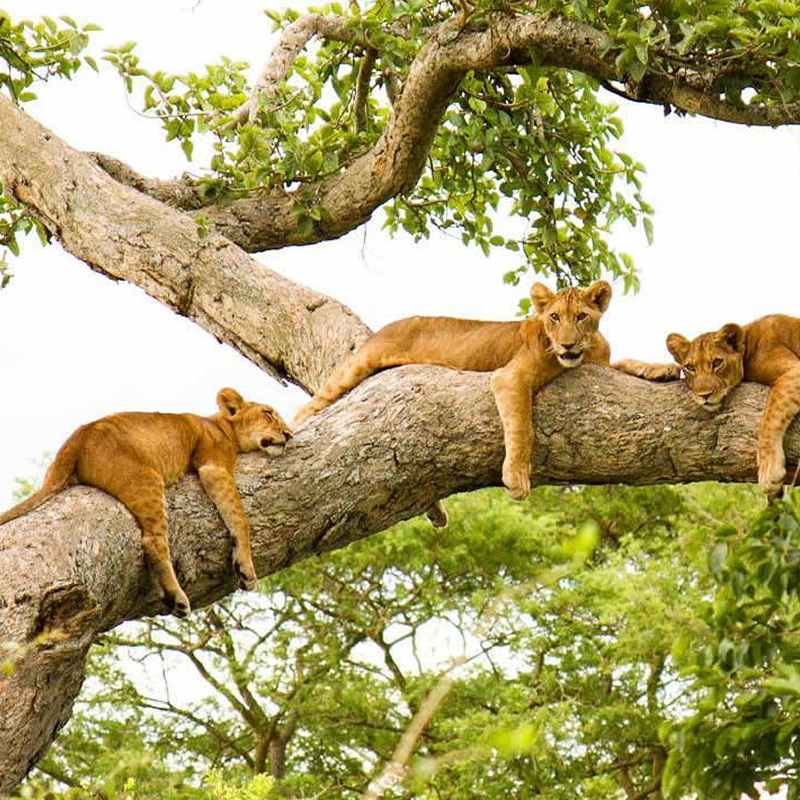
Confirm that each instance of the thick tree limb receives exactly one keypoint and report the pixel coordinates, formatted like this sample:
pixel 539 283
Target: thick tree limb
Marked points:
pixel 383 453
pixel 289 330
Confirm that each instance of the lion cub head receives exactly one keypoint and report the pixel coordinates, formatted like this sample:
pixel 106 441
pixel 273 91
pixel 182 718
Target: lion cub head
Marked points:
pixel 257 426
pixel 571 318
pixel 712 364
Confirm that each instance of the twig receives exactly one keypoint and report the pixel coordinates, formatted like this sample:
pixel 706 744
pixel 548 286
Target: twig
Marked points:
pixel 395 770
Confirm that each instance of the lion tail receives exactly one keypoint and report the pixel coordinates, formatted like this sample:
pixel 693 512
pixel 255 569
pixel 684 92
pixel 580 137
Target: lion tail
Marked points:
pixel 59 475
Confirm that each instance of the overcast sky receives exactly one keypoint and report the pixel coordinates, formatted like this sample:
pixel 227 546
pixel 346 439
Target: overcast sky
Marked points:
pixel 75 346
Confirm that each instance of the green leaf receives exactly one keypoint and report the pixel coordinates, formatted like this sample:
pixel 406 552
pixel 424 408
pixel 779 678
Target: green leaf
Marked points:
pixel 716 559
pixel 648 229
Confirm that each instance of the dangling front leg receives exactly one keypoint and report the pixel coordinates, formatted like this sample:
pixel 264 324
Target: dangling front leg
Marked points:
pixel 513 387
pixel 221 488
pixel 782 406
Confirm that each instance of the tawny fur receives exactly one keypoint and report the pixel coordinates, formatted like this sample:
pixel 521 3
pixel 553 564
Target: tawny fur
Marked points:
pixel 522 355
pixel 765 351
pixel 134 455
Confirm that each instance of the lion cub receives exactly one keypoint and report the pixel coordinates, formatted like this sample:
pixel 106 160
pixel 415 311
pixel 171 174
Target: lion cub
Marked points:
pixel 522 355
pixel 134 455
pixel 765 351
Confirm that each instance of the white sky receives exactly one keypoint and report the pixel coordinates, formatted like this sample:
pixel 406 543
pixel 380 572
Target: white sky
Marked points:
pixel 75 346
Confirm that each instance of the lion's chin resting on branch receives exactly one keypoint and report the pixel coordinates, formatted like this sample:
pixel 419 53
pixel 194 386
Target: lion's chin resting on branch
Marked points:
pixel 134 455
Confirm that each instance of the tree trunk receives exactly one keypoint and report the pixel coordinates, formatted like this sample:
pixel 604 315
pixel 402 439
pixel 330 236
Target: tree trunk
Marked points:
pixel 74 567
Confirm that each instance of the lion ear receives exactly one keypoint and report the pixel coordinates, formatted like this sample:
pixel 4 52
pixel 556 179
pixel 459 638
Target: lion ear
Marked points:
pixel 599 295
pixel 230 402
pixel 540 297
pixel 731 335
pixel 678 346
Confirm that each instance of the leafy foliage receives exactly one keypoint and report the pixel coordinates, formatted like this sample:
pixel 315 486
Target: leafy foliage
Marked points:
pixel 554 618
pixel 537 149
pixel 34 51
pixel 29 52
pixel 745 727
pixel 750 50
pixel 532 148
pixel 524 158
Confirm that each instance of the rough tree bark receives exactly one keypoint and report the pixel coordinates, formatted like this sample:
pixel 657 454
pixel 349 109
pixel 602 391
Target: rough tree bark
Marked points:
pixel 74 567
pixel 403 439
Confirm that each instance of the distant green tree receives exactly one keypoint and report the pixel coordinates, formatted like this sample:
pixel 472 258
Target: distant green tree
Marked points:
pixel 743 731
pixel 556 620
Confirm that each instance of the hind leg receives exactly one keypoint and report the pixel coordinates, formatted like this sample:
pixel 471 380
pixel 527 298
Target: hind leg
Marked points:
pixel 145 500
pixel 437 515
pixel 350 374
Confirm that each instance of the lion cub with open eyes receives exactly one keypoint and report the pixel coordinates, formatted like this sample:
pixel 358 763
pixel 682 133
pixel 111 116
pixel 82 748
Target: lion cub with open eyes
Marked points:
pixel 134 455
pixel 523 355
pixel 765 351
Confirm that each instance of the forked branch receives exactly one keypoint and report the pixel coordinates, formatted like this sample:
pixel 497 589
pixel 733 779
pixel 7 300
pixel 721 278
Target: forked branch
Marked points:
pixel 267 219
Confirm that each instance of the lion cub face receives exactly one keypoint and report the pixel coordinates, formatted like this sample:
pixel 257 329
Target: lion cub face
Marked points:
pixel 712 364
pixel 571 318
pixel 257 426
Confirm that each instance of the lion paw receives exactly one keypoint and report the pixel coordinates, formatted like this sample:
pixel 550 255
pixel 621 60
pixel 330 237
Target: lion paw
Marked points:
pixel 246 573
pixel 771 470
pixel 650 372
pixel 517 480
pixel 662 372
pixel 177 603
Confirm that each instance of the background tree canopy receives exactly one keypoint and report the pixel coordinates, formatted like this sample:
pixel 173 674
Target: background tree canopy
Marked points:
pixel 594 642
pixel 601 641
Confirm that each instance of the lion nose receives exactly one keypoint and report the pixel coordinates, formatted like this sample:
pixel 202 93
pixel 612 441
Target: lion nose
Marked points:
pixel 706 393
pixel 568 345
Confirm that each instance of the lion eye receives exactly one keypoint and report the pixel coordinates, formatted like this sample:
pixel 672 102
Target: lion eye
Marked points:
pixel 555 317
pixel 716 363
pixel 689 367
pixel 581 316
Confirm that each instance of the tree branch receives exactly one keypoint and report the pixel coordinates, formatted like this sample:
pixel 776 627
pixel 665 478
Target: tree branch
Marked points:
pixel 293 38
pixel 383 453
pixel 290 331
pixel 362 89
pixel 266 219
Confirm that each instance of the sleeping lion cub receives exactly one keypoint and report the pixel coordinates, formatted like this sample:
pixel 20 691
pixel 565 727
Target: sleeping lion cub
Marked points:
pixel 523 355
pixel 765 351
pixel 134 455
